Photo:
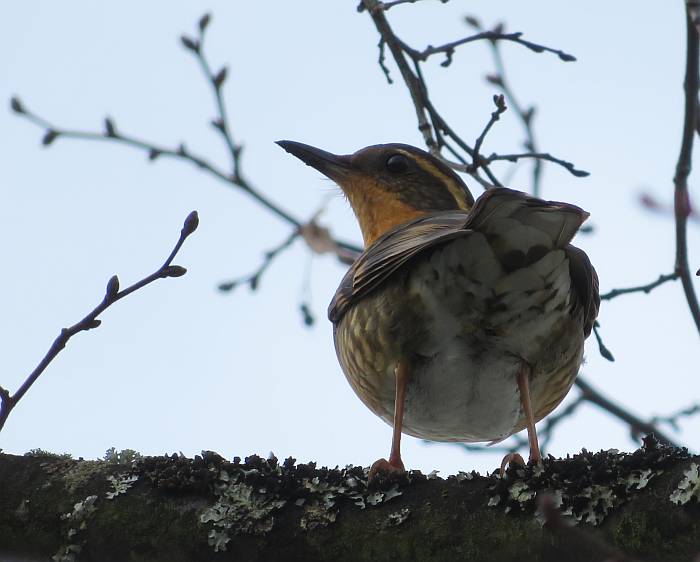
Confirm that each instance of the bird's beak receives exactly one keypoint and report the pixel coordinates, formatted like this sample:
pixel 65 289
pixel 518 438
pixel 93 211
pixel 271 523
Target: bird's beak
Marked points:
pixel 331 165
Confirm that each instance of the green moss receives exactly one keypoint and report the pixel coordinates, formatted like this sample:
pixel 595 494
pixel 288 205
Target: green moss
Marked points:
pixel 635 532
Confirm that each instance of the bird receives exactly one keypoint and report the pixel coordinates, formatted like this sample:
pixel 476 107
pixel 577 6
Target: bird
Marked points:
pixel 462 320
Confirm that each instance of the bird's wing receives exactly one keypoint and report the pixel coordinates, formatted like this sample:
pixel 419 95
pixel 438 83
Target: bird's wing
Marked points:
pixel 584 285
pixel 391 251
pixel 519 228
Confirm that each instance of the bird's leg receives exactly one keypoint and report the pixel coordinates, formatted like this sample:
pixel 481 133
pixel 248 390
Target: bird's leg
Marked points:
pixel 395 464
pixel 523 378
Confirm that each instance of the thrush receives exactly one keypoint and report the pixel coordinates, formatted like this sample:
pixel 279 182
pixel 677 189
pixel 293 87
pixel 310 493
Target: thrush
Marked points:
pixel 461 320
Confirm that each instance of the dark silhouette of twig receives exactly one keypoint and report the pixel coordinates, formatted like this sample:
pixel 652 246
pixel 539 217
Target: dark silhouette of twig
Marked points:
pixel 112 294
pixel 526 116
pixel 236 178
pixel 438 136
pixel 673 419
pixel 500 103
pixel 448 49
pixel 646 289
pixel 637 425
pixel 680 180
pixel 253 279
pixel 604 351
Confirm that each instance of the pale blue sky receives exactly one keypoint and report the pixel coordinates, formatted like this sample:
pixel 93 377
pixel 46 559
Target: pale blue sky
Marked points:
pixel 181 367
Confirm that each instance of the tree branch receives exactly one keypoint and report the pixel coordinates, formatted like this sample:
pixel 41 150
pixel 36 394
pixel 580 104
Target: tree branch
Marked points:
pixel 681 198
pixel 646 289
pixel 234 179
pixel 637 425
pixel 431 124
pixel 112 294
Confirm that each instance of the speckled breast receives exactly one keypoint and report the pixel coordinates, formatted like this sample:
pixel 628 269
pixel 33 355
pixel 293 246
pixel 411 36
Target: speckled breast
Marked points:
pixel 465 323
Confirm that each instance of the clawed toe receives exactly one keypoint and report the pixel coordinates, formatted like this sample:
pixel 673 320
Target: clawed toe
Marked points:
pixel 509 459
pixel 383 466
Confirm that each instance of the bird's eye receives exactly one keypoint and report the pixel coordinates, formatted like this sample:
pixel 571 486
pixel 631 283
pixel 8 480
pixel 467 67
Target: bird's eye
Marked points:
pixel 397 163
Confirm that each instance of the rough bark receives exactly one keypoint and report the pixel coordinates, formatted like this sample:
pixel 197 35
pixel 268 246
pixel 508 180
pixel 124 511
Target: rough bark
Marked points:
pixel 174 509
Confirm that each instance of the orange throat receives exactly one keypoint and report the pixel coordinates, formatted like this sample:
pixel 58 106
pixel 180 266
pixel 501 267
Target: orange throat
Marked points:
pixel 378 211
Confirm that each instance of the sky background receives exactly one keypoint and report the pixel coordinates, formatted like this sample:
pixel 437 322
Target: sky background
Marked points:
pixel 180 366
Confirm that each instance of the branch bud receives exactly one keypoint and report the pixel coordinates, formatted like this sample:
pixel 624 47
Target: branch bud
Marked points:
pixel 494 79
pixel 153 154
pixel 220 77
pixel 174 271
pixel 473 21
pixel 110 130
pixel 190 44
pixel 49 137
pixel 191 223
pixel 16 105
pixel 228 286
pixel 204 22
pixel 112 287
pixel 306 314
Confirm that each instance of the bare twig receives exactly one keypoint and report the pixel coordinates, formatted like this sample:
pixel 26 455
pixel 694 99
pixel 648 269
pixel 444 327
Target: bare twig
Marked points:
pixel 235 178
pixel 681 198
pixel 640 289
pixel 112 294
pixel 431 124
pixel 674 419
pixel 539 156
pixel 253 279
pixel 526 116
pixel 637 425
pixel 500 103
pixel 448 49
pixel 604 351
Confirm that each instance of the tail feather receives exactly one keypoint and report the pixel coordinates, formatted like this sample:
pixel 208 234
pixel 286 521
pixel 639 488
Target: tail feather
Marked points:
pixel 524 221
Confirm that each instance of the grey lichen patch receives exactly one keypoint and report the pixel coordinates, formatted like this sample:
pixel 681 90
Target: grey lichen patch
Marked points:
pixel 77 521
pixel 120 484
pixel 239 506
pixel 317 515
pixel 586 487
pixel 125 457
pixel 77 474
pixel 43 453
pixel 396 518
pixel 248 495
pixel 688 488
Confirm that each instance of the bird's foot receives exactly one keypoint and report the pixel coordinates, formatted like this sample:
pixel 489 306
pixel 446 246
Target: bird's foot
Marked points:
pixel 386 467
pixel 510 459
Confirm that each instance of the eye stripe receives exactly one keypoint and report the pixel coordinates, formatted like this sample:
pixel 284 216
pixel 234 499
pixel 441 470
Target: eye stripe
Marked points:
pixel 455 188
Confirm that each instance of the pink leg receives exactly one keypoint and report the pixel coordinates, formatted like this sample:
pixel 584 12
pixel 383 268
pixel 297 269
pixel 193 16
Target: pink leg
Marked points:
pixel 395 464
pixel 523 378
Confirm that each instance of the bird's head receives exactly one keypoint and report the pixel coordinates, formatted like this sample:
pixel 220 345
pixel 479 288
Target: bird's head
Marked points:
pixel 388 184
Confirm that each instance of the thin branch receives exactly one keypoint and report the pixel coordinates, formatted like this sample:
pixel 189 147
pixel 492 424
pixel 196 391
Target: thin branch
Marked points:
pixel 681 198
pixel 637 425
pixel 604 351
pixel 253 279
pixel 673 419
pixel 640 289
pixel 500 103
pixel 538 156
pixel 448 49
pixel 526 116
pixel 112 294
pixel 430 123
pixel 234 179
pixel 155 151
pixel 216 81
